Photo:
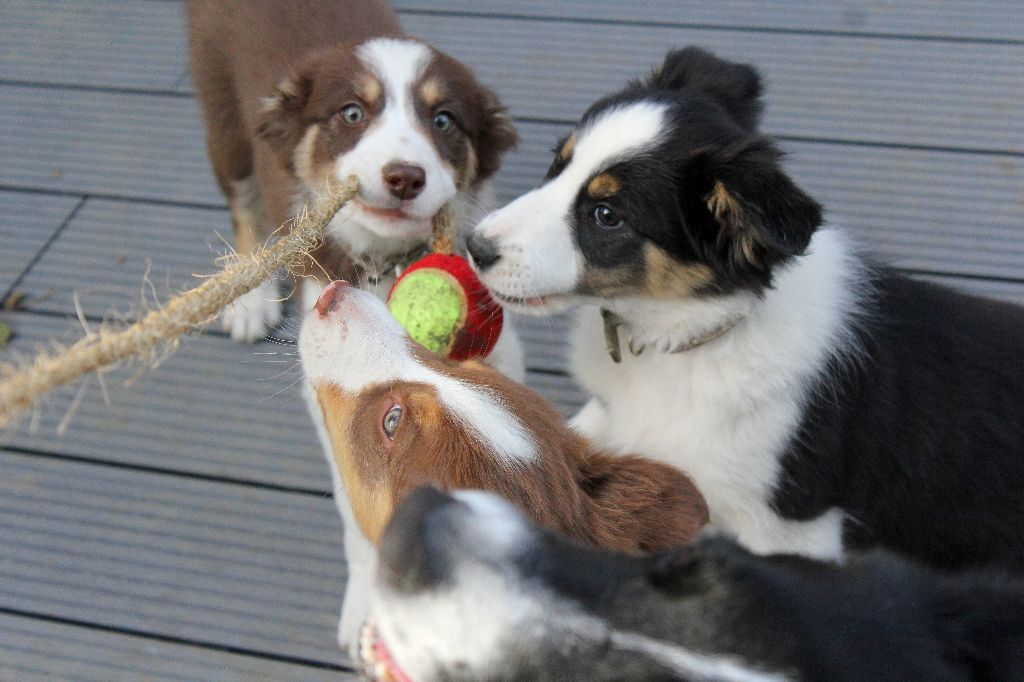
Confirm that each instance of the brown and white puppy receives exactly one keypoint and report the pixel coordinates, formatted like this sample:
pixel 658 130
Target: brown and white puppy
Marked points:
pixel 300 94
pixel 396 417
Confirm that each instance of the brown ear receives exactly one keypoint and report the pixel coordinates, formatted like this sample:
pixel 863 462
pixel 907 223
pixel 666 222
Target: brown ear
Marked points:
pixel 642 505
pixel 497 134
pixel 280 123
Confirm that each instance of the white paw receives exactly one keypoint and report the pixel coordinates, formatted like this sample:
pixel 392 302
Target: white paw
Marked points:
pixel 252 314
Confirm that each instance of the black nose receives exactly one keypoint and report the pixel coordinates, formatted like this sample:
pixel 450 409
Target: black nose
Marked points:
pixel 413 553
pixel 404 180
pixel 484 251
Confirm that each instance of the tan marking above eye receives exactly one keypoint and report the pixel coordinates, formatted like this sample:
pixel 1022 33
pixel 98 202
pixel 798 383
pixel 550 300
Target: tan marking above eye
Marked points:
pixel 565 153
pixel 368 88
pixel 604 186
pixel 432 92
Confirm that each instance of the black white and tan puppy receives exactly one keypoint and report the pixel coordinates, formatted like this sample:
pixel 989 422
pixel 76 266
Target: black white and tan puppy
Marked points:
pixel 820 402
pixel 300 94
pixel 468 589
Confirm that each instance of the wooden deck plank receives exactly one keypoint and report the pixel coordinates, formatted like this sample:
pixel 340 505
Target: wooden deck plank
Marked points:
pixel 37 649
pixel 942 19
pixel 873 90
pixel 113 247
pixel 83 42
pixel 194 560
pixel 104 143
pixel 27 222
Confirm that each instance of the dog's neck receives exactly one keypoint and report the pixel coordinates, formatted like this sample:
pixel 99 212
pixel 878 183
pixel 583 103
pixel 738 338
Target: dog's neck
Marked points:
pixel 813 289
pixel 671 326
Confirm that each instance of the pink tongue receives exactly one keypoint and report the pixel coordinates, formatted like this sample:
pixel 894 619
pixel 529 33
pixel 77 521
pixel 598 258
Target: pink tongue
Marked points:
pixel 382 655
pixel 330 295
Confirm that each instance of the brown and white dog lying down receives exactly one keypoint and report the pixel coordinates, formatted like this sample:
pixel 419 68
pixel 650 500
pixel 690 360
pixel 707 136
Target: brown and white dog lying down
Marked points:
pixel 396 416
pixel 303 93
pixel 468 589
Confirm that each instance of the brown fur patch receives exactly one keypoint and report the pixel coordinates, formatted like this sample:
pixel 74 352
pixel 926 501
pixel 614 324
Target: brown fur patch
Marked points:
pixel 603 186
pixel 303 160
pixel 624 503
pixel 366 483
pixel 605 281
pixel 666 277
pixel 723 205
pixel 565 153
pixel 733 218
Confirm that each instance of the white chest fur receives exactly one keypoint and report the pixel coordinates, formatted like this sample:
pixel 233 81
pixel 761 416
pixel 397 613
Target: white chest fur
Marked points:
pixel 724 412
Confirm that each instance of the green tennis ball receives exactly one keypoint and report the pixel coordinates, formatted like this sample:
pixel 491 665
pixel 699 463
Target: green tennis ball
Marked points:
pixel 431 305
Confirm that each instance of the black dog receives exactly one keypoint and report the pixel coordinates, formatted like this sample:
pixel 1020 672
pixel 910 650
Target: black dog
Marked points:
pixel 818 402
pixel 468 590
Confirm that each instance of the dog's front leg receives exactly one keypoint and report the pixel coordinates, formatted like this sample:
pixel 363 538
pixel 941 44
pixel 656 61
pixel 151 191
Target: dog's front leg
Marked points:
pixel 355 604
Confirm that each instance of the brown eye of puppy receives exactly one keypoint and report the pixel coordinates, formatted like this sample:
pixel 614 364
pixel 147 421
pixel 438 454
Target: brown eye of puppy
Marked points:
pixel 351 114
pixel 443 121
pixel 391 419
pixel 606 217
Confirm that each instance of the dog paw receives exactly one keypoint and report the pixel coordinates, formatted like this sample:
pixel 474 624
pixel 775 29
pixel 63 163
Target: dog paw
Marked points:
pixel 252 314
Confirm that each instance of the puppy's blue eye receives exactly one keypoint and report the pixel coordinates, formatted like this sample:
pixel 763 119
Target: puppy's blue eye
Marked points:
pixel 391 419
pixel 606 217
pixel 353 113
pixel 443 121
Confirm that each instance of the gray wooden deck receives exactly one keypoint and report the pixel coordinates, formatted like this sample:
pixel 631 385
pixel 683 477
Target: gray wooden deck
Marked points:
pixel 186 530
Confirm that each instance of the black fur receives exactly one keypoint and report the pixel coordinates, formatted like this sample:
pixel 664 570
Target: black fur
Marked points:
pixel 877 618
pixel 920 439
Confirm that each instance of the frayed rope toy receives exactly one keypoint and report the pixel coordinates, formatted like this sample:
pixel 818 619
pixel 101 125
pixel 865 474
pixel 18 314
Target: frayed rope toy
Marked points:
pixel 438 299
pixel 21 389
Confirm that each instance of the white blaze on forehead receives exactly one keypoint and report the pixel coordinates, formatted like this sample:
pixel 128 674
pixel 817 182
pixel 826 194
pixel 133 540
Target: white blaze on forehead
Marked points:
pixel 613 135
pixel 360 344
pixel 397 63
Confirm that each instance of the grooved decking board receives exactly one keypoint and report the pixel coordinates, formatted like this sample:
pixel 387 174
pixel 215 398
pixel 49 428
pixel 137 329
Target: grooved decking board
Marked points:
pixel 27 222
pixel 866 89
pixel 223 564
pixel 35 649
pixel 929 210
pixel 210 408
pixel 106 250
pixel 84 42
pixel 934 18
pixel 126 145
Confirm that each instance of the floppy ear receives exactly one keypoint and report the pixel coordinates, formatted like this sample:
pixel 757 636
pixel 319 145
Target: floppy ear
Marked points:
pixel 280 123
pixel 737 87
pixel 644 505
pixel 496 134
pixel 761 216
